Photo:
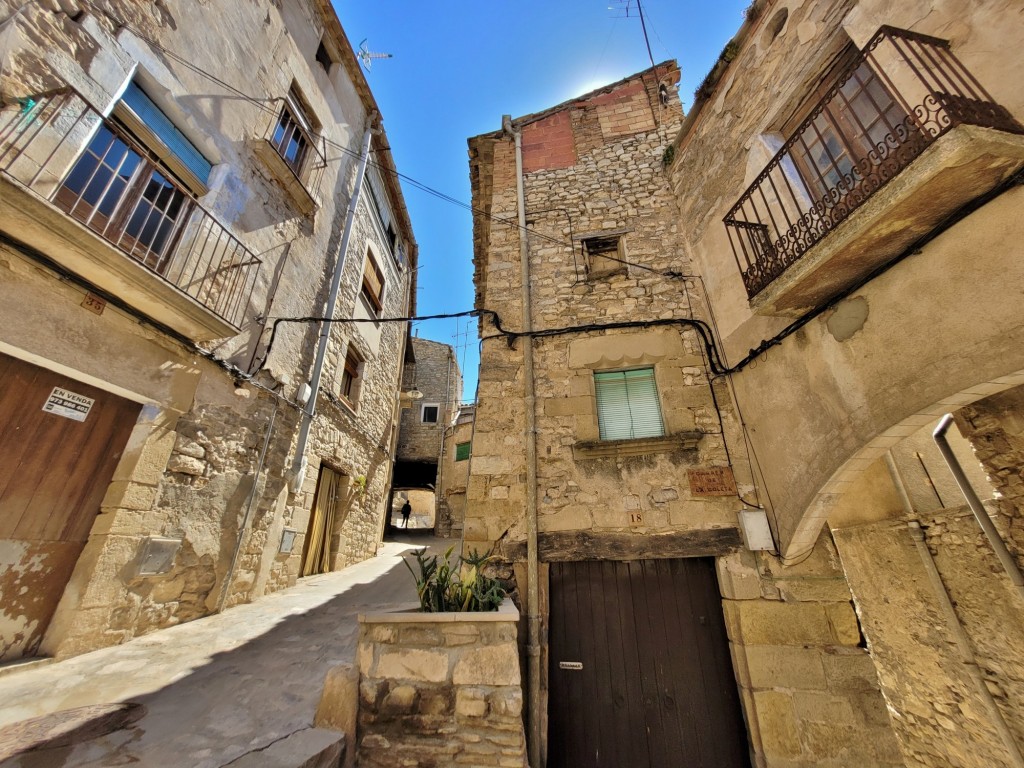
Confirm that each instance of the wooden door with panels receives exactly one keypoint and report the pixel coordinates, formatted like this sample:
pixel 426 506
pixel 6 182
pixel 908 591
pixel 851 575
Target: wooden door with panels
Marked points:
pixel 60 441
pixel 639 668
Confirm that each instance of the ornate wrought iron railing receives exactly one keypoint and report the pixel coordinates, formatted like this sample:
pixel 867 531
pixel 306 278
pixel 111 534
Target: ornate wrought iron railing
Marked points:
pixel 884 108
pixel 153 219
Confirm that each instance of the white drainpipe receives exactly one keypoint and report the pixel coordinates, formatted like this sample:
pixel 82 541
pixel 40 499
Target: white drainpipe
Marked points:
pixel 300 461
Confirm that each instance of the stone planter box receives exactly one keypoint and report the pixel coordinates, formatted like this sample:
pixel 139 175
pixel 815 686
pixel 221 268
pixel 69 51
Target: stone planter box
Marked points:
pixel 440 689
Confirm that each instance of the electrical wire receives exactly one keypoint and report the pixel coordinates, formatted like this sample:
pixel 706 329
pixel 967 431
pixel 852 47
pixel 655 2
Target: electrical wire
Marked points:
pixel 414 183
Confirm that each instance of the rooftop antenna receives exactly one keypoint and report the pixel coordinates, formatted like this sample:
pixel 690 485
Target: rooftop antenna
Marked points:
pixel 367 57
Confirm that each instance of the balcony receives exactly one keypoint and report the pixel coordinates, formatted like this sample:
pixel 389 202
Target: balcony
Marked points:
pixel 289 147
pixel 904 137
pixel 83 191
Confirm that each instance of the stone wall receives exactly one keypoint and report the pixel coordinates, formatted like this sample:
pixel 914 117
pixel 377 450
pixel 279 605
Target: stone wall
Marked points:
pixel 440 690
pixel 808 685
pixel 995 428
pixel 191 469
pixel 593 167
pixel 436 374
pixel 939 712
pixel 453 476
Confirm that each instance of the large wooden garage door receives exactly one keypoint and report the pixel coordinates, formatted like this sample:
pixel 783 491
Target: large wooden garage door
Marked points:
pixel 55 466
pixel 640 675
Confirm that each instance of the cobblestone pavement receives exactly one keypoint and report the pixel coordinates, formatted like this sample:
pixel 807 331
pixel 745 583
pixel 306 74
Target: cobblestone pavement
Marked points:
pixel 210 690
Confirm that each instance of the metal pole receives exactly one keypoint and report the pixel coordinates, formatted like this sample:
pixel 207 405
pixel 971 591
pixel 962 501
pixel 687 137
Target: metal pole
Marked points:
pixel 299 463
pixel 980 513
pixel 533 588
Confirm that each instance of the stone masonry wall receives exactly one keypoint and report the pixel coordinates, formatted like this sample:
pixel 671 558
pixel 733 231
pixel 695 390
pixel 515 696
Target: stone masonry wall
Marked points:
pixel 438 690
pixel 995 428
pixel 809 687
pixel 938 711
pixel 192 460
pixel 593 167
pixel 452 478
pixel 436 374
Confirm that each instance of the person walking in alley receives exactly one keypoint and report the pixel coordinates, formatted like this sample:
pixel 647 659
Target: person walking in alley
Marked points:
pixel 406 511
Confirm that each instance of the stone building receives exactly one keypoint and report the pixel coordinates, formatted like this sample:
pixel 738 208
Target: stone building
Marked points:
pixel 176 179
pixel 432 372
pixel 820 263
pixel 453 474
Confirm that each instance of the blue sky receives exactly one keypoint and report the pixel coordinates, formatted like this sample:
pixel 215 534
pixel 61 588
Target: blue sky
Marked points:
pixel 458 66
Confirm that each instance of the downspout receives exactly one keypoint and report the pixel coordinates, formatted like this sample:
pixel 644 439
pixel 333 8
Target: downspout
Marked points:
pixel 300 461
pixel 532 570
pixel 998 545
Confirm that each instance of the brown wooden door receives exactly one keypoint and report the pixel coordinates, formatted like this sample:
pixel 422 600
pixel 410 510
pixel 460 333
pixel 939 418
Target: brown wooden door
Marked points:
pixel 640 675
pixel 54 471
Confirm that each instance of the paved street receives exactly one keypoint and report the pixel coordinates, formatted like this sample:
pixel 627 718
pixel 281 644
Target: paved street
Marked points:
pixel 216 688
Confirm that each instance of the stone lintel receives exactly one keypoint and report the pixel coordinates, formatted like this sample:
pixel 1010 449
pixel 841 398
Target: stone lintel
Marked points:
pixel 563 546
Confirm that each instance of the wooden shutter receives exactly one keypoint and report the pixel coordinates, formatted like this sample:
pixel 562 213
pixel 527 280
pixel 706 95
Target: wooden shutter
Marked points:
pixel 462 451
pixel 373 281
pixel 627 405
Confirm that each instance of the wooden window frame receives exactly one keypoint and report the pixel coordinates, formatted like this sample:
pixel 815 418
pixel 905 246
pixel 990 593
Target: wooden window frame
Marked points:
pixel 373 282
pixel 351 377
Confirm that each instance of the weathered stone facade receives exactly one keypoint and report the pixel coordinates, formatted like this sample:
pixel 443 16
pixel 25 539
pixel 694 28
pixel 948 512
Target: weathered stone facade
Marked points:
pixel 440 690
pixel 592 167
pixel 453 475
pixel 435 373
pixel 887 638
pixel 209 460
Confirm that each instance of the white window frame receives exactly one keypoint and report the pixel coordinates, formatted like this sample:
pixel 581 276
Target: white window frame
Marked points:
pixel 615 417
pixel 423 408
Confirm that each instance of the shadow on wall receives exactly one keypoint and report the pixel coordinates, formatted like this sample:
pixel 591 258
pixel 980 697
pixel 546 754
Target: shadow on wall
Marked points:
pixel 231 703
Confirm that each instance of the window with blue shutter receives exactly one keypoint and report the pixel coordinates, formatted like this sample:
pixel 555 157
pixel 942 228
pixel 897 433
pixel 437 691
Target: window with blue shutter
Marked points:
pixel 627 404
pixel 153 118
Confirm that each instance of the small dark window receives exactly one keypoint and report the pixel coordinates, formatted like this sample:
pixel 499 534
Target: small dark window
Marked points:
pixel 323 56
pixel 604 256
pixel 429 413
pixel 350 376
pixel 462 451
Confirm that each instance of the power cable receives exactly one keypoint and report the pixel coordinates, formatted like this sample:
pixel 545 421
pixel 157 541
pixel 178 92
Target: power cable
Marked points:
pixel 416 184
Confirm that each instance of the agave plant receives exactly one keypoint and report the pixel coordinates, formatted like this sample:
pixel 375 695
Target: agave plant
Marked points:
pixel 443 585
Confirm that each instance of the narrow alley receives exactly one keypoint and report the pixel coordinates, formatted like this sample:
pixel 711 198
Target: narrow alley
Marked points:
pixel 210 690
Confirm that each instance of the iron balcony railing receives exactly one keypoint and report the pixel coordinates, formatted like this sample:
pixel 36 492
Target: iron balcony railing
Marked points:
pixel 883 109
pixel 59 147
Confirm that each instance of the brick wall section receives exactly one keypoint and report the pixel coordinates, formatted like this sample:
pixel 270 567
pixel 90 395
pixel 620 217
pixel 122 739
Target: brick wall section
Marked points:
pixel 440 690
pixel 548 143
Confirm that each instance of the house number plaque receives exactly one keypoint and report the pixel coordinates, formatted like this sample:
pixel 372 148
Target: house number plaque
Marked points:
pixel 570 665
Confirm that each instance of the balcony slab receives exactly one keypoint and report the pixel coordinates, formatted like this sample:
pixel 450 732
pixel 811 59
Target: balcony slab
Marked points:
pixel 960 166
pixel 39 224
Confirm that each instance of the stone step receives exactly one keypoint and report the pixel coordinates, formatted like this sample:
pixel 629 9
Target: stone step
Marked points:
pixel 308 748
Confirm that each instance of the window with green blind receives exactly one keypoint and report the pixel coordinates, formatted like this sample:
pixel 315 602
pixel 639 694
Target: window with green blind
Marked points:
pixel 462 451
pixel 627 404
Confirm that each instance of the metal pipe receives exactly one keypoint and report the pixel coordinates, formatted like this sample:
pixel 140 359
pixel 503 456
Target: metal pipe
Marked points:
pixel 998 545
pixel 532 569
pixel 243 526
pixel 963 643
pixel 309 411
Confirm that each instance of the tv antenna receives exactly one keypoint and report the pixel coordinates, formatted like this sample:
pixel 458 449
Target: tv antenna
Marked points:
pixel 367 56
